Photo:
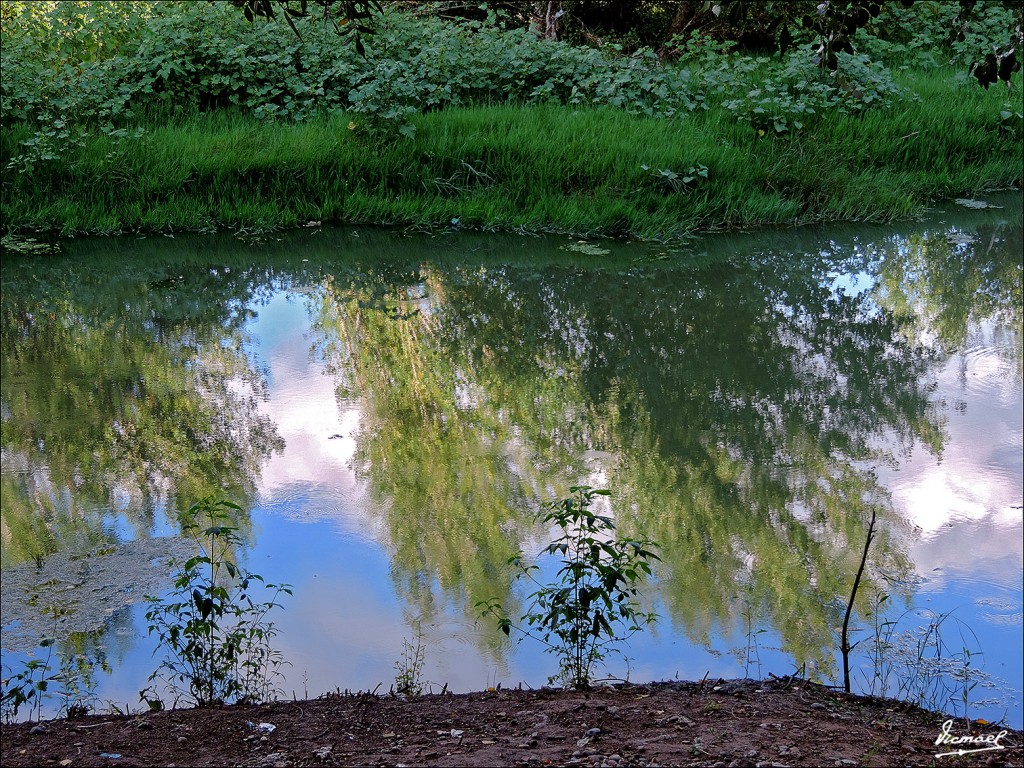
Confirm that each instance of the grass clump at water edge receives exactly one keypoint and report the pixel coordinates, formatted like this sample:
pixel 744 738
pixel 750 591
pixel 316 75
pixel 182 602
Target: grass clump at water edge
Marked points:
pixel 586 171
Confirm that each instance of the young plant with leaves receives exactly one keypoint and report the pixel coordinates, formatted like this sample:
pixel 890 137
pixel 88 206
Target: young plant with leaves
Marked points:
pixel 72 683
pixel 592 607
pixel 215 636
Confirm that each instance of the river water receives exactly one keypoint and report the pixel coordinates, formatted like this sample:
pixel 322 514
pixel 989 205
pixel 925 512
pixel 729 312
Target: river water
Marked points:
pixel 390 410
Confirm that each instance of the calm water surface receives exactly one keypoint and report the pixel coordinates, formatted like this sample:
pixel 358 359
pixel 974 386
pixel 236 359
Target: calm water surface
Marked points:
pixel 390 410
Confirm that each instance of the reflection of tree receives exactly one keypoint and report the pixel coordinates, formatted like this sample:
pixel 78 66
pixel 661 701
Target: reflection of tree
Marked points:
pixel 442 464
pixel 947 281
pixel 121 393
pixel 736 411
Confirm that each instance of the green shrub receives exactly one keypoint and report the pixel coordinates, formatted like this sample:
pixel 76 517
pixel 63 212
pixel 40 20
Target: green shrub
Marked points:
pixel 71 684
pixel 214 635
pixel 935 32
pixel 74 68
pixel 791 93
pixel 591 608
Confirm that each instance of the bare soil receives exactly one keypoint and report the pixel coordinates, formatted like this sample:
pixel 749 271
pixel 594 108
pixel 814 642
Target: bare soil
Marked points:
pixel 779 722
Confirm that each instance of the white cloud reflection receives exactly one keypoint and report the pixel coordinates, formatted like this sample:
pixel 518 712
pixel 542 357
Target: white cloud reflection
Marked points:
pixel 966 504
pixel 313 477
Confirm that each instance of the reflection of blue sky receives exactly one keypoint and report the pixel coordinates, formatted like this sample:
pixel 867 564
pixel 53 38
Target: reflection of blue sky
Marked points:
pixel 313 477
pixel 967 543
pixel 852 284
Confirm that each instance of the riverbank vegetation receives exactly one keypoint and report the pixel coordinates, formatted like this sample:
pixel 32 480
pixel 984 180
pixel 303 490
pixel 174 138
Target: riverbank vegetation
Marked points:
pixel 168 116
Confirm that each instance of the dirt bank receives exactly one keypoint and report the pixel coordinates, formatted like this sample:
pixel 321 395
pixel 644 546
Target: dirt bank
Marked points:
pixel 780 722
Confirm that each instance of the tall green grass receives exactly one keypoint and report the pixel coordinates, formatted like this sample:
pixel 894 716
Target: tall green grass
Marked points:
pixel 549 168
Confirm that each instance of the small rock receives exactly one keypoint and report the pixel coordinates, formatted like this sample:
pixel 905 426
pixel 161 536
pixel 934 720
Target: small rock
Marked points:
pixel 593 732
pixel 37 729
pixel 817 705
pixel 65 762
pixel 323 752
pixel 183 739
pixel 845 762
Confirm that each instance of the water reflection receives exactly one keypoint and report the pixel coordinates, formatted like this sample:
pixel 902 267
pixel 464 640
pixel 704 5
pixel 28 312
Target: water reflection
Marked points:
pixel 748 401
pixel 733 416
pixel 124 393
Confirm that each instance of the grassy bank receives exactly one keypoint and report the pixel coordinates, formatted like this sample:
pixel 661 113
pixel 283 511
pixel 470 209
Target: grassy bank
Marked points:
pixel 580 170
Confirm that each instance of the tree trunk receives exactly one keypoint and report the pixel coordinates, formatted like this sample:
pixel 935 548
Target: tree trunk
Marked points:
pixel 685 13
pixel 547 18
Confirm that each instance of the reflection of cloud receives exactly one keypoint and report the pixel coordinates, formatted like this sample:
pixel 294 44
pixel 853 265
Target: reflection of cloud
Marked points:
pixel 940 495
pixel 350 643
pixel 967 505
pixel 980 475
pixel 312 478
pixel 985 552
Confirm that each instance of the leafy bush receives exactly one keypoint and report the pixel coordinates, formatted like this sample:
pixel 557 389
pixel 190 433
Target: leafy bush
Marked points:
pixel 29 686
pixel 215 637
pixel 592 606
pixel 75 68
pixel 71 683
pixel 935 32
pixel 790 93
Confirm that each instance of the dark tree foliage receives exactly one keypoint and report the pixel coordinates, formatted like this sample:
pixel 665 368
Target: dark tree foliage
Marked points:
pixel 764 27
pixel 641 23
pixel 771 26
pixel 1001 63
pixel 350 17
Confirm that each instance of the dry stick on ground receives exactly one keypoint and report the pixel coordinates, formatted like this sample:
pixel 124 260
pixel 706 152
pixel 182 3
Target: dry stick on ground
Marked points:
pixel 845 641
